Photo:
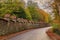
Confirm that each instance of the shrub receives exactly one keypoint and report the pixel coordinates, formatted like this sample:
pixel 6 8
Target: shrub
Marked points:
pixel 56 28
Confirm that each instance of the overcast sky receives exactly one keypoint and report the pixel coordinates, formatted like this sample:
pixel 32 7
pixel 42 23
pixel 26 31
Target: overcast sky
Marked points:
pixel 43 4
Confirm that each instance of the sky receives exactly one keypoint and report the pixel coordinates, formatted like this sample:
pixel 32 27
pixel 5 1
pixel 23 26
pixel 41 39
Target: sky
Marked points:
pixel 43 4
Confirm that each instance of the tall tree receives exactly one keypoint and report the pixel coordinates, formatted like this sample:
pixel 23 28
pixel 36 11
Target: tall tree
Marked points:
pixel 56 10
pixel 32 6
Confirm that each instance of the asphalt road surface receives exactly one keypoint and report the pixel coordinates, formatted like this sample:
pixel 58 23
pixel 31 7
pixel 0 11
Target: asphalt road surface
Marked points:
pixel 36 34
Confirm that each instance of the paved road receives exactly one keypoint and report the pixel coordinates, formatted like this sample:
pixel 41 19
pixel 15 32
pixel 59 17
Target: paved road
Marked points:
pixel 37 34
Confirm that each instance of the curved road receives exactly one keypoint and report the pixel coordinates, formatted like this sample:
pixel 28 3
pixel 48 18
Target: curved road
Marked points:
pixel 36 34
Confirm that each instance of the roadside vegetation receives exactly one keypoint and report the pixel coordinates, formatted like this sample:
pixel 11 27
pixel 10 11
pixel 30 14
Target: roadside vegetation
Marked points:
pixel 16 16
pixel 56 21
